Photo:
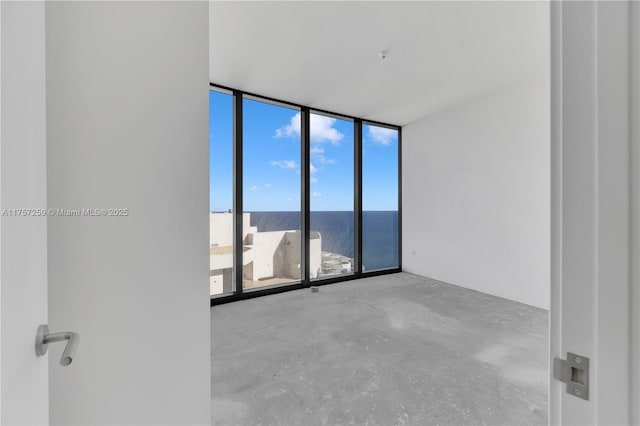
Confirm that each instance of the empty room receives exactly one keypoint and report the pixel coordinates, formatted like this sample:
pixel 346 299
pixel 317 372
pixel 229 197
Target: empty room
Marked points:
pixel 380 212
pixel 414 213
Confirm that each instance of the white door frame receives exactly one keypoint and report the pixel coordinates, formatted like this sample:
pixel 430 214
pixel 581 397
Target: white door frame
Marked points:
pixel 594 269
pixel 635 210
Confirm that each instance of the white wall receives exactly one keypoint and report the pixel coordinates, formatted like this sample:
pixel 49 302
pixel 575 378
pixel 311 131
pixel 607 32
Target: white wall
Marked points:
pixel 127 105
pixel 315 250
pixel 23 256
pixel 268 259
pixel 221 228
pixel 476 195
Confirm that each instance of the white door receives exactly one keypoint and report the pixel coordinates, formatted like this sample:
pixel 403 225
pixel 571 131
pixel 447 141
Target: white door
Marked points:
pixel 594 153
pixel 128 137
pixel 23 256
pixel 126 103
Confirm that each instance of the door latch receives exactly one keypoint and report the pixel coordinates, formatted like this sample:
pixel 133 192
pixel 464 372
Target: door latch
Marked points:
pixel 574 371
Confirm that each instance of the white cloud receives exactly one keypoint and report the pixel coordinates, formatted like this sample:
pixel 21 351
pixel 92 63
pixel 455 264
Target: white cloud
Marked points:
pixel 321 130
pixel 284 164
pixel 316 194
pixel 317 153
pixel 382 135
pixel 291 129
pixel 314 179
pixel 324 160
pixel 268 185
pixel 254 188
pixel 312 168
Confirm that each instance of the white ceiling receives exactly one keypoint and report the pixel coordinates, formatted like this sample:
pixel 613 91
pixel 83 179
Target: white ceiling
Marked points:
pixel 325 54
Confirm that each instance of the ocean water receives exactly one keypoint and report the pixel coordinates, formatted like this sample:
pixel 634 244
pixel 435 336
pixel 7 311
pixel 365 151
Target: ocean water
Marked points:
pixel 379 233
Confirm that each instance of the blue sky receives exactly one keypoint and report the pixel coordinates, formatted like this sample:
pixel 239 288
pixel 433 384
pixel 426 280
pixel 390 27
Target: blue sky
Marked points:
pixel 271 160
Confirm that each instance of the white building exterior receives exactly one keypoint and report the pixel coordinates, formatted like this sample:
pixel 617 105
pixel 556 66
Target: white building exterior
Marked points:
pixel 267 255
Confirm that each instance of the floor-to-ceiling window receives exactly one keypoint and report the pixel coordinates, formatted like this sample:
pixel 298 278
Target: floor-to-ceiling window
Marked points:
pixel 379 197
pixel 271 194
pixel 331 162
pixel 221 279
pixel 298 196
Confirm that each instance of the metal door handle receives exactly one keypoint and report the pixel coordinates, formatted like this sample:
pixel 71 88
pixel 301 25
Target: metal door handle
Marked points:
pixel 43 338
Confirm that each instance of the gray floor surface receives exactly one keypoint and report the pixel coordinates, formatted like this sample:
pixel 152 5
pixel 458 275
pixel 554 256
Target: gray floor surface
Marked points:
pixel 391 350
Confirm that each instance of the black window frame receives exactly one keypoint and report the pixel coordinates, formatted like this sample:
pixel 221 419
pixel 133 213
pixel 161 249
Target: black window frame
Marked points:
pixel 239 292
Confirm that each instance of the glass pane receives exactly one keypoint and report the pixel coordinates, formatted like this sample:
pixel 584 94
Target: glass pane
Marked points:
pixel 220 193
pixel 271 190
pixel 332 220
pixel 379 198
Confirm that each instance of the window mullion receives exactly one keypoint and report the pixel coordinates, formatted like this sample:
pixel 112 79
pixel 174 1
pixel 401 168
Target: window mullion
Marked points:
pixel 237 193
pixel 357 199
pixel 305 193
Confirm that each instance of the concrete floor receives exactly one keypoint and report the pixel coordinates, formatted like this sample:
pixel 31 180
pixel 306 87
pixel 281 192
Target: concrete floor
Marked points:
pixel 391 350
